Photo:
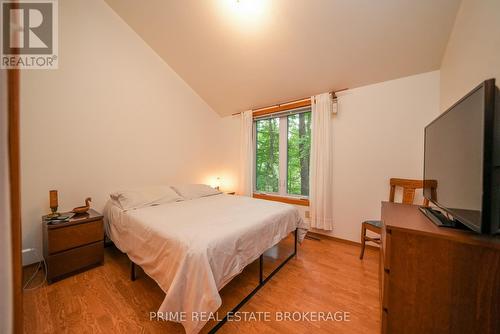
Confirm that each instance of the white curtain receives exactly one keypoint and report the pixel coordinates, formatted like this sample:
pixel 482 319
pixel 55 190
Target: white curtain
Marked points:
pixel 321 164
pixel 246 154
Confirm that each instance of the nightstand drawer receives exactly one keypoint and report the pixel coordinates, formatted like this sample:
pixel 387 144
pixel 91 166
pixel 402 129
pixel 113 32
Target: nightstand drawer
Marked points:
pixel 75 259
pixel 67 237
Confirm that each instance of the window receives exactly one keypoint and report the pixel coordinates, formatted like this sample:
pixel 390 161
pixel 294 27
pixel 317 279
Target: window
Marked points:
pixel 299 146
pixel 282 151
pixel 267 156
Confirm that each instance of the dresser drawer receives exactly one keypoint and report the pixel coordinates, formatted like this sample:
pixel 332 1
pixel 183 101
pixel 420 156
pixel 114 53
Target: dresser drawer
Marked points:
pixel 75 259
pixel 67 237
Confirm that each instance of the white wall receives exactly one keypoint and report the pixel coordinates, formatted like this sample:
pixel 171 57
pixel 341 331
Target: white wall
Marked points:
pixel 473 51
pixel 113 115
pixel 378 134
pixel 229 148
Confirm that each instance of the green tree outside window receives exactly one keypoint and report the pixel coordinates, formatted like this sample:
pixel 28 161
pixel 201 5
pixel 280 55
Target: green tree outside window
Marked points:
pixel 298 130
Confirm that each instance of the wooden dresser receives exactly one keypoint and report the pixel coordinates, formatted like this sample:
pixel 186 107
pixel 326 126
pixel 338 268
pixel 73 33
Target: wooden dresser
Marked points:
pixel 74 245
pixel 434 279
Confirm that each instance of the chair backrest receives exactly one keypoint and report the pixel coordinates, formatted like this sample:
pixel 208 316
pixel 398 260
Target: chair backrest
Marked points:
pixel 409 187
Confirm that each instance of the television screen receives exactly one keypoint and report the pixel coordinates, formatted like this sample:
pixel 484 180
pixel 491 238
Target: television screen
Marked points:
pixel 454 159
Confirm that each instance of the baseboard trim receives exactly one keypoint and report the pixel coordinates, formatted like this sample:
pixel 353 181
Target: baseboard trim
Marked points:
pixel 345 241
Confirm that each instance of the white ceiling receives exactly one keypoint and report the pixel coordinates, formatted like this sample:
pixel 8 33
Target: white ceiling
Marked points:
pixel 237 59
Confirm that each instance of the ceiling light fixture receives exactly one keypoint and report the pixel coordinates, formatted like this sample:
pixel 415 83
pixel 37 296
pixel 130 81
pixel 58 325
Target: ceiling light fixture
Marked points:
pixel 245 11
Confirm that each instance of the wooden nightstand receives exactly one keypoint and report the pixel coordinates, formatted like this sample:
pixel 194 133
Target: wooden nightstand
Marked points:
pixel 73 246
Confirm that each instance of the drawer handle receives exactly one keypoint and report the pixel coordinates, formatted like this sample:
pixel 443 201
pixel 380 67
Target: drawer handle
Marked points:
pixel 385 310
pixel 387 270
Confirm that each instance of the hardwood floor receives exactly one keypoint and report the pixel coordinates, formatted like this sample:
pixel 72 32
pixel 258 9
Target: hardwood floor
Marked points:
pixel 326 276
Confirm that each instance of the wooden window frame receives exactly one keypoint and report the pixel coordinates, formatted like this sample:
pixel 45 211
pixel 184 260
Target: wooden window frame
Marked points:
pixel 283 199
pixel 280 108
pixel 282 195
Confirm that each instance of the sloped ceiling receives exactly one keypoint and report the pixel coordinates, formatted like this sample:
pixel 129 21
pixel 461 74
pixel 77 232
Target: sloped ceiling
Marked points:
pixel 241 54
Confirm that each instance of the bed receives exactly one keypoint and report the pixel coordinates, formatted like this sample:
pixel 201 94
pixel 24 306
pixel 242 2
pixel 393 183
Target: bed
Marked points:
pixel 193 248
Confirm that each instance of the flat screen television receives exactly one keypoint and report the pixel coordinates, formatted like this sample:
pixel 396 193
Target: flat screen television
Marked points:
pixel 462 161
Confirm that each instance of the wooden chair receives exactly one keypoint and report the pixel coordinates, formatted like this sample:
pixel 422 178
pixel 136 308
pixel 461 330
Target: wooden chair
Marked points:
pixel 409 187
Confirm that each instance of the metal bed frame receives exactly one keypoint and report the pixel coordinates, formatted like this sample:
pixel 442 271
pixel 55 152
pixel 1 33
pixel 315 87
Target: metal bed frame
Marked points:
pixel 262 282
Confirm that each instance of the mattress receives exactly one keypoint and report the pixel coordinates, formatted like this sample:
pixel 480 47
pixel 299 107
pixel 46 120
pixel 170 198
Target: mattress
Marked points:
pixel 193 248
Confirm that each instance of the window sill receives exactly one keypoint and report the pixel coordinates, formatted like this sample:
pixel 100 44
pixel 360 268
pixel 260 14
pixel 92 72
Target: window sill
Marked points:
pixel 289 200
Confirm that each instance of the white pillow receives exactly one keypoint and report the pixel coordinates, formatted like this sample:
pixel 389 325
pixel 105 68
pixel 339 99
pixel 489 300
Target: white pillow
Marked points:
pixel 192 191
pixel 138 198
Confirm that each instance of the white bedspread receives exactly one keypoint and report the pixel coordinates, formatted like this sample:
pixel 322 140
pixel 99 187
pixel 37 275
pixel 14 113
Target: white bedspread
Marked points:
pixel 193 248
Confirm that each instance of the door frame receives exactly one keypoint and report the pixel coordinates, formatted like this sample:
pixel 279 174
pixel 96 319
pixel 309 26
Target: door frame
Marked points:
pixel 13 104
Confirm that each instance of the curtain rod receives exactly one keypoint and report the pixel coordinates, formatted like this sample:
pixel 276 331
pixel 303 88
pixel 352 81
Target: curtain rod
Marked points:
pixel 333 92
